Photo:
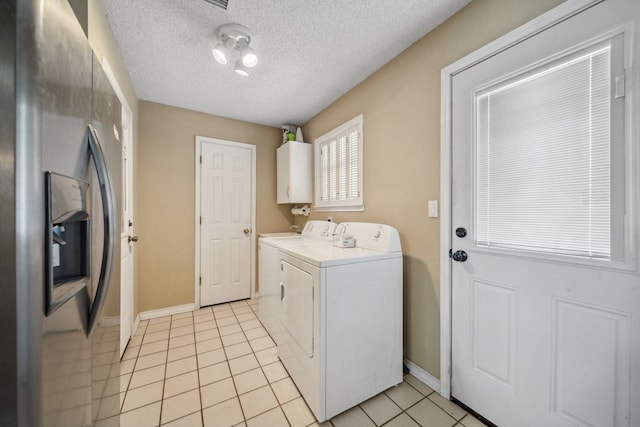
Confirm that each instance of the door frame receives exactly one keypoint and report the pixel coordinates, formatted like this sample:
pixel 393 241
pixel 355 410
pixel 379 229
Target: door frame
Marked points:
pixel 528 30
pixel 199 140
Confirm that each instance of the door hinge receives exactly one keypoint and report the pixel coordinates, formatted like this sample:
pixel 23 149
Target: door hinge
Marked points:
pixel 200 281
pixel 200 159
pixel 620 87
pixel 201 220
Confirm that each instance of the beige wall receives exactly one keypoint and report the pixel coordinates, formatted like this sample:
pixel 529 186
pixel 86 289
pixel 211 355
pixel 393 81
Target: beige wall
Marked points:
pixel 104 45
pixel 166 195
pixel 401 106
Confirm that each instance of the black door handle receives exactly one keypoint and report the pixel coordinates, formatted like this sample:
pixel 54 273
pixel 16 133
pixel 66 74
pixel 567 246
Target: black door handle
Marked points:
pixel 459 256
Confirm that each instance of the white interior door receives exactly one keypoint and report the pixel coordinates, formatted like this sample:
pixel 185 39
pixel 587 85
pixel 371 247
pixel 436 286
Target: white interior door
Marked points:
pixel 545 283
pixel 226 218
pixel 126 224
pixel 126 237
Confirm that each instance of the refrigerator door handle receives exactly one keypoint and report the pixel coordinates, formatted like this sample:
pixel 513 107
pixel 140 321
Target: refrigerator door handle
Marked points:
pixel 109 211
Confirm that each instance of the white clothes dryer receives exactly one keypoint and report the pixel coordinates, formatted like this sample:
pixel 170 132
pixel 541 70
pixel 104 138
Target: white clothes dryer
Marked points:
pixel 341 317
pixel 314 232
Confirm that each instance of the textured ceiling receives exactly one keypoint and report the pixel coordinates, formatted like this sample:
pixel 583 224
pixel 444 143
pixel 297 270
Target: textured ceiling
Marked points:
pixel 311 51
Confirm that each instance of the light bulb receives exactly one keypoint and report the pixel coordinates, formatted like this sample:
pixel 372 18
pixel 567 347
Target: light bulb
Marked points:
pixel 241 69
pixel 220 53
pixel 248 55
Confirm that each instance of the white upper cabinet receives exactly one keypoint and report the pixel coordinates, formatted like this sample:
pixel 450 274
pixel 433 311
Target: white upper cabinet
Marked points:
pixel 294 172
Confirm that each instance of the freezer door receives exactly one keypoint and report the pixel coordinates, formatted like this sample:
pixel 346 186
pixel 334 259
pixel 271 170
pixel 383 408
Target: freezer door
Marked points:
pixel 62 376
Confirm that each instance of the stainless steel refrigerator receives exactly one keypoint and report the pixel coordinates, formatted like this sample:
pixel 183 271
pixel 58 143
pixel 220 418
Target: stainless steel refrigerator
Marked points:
pixel 60 187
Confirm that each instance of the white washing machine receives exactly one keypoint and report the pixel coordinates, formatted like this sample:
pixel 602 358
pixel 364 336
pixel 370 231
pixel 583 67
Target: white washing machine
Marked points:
pixel 341 317
pixel 314 232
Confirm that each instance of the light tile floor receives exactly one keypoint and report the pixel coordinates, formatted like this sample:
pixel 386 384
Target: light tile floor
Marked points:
pixel 218 367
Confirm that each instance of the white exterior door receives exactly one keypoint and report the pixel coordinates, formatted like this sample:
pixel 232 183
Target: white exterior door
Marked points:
pixel 545 287
pixel 226 219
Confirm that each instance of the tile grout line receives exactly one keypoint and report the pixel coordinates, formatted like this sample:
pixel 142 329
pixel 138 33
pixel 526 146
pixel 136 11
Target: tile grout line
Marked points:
pixel 393 401
pixel 133 369
pixel 226 360
pixel 315 421
pixel 197 370
pixel 368 416
pixel 424 396
pixel 445 411
pixel 259 367
pixel 195 346
pixel 231 374
pixel 233 381
pixel 164 376
pixel 277 360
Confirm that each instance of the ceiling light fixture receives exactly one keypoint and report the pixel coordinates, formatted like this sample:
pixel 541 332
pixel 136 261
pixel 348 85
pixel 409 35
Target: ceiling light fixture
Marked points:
pixel 234 40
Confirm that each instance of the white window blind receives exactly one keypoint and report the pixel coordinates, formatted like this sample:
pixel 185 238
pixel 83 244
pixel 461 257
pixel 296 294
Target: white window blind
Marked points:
pixel 543 152
pixel 339 168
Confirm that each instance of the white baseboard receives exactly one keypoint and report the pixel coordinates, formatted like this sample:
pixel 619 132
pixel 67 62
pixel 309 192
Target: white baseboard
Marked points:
pixel 423 375
pixel 167 311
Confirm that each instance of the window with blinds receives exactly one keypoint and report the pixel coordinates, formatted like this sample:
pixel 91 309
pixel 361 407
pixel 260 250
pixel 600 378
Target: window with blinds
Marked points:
pixel 544 158
pixel 338 165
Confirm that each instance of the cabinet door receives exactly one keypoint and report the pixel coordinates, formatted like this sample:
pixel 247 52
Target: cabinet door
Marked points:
pixel 294 172
pixel 283 175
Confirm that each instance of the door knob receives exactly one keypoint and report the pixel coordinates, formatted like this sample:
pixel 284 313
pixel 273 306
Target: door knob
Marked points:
pixel 132 239
pixel 459 256
pixel 246 231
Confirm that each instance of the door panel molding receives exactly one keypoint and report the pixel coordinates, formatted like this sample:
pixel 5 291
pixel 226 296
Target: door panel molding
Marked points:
pixel 199 141
pixel 595 325
pixel 530 29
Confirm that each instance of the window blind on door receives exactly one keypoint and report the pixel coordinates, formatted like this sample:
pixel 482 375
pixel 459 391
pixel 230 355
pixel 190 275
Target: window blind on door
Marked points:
pixel 543 158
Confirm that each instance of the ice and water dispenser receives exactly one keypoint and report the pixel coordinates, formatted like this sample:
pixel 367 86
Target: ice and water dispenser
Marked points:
pixel 68 243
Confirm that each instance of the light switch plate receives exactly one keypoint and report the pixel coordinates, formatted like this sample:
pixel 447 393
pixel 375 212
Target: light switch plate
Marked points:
pixel 433 209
